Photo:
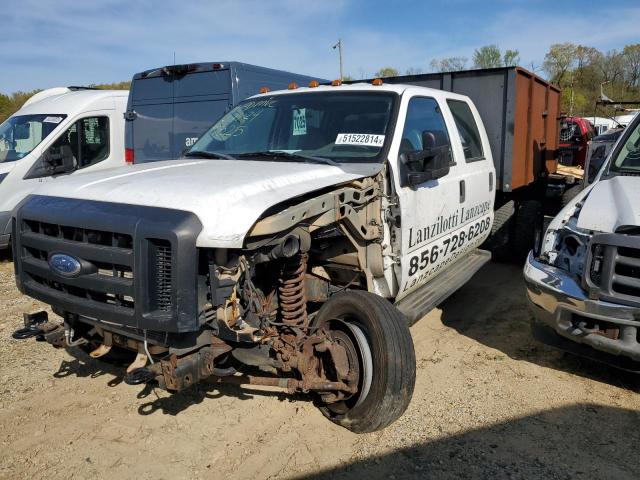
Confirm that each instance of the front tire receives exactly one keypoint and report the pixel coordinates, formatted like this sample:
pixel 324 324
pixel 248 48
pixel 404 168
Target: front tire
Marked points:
pixel 392 357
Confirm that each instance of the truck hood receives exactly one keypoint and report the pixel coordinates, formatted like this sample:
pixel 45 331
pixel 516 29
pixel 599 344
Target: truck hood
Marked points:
pixel 228 196
pixel 611 203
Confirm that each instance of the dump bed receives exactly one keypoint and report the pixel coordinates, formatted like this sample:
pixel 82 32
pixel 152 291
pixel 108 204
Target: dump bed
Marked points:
pixel 520 113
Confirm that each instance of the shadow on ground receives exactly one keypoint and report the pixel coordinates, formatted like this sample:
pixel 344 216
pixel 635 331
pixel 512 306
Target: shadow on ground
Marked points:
pixel 582 441
pixel 83 366
pixel 5 255
pixel 492 309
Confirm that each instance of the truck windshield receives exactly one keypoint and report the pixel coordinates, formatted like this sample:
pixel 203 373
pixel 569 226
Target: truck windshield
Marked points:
pixel 336 126
pixel 627 158
pixel 20 134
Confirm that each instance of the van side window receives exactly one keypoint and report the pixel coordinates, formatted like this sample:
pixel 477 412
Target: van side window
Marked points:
pixel 94 140
pixel 87 139
pixel 467 129
pixel 424 120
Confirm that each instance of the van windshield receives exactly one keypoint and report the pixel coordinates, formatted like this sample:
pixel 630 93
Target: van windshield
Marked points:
pixel 20 134
pixel 331 126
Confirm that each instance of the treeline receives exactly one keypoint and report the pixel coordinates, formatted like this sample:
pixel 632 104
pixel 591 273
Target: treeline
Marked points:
pixel 583 73
pixel 9 104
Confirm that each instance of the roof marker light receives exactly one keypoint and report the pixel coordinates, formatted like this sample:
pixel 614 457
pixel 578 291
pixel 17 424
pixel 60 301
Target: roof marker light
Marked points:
pixel 292 86
pixel 313 84
pixel 377 82
pixel 336 83
pixel 264 89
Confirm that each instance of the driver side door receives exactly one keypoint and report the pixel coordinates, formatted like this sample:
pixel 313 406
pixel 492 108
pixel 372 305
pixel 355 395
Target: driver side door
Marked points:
pixel 432 214
pixel 84 144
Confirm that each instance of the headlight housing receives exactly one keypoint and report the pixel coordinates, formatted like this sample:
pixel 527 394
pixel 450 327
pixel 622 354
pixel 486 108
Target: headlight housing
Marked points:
pixel 565 244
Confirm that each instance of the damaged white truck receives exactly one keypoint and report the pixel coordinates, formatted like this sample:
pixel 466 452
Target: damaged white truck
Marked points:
pixel 292 247
pixel 584 281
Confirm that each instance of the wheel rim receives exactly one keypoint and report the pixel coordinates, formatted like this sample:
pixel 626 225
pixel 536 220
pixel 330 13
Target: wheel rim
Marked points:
pixel 366 359
pixel 352 337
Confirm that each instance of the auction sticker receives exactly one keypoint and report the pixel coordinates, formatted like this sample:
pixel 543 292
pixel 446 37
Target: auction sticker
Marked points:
pixel 367 139
pixel 52 120
pixel 300 121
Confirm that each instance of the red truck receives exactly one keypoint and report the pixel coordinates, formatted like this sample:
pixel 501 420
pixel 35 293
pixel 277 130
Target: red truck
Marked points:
pixel 575 133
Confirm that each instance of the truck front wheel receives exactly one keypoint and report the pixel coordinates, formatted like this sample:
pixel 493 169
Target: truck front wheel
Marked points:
pixel 378 342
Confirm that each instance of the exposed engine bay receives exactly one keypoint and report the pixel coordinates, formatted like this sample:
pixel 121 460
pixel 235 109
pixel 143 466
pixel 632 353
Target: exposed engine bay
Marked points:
pixel 259 307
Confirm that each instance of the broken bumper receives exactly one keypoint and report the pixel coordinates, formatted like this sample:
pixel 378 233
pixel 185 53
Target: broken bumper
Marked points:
pixel 604 331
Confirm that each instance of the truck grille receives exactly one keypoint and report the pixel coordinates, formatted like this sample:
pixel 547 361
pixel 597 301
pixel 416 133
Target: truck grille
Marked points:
pixel 128 265
pixel 614 268
pixel 108 257
pixel 160 253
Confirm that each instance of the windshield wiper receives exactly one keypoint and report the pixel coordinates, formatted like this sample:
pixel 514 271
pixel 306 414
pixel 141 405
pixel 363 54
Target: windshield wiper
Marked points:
pixel 203 154
pixel 278 154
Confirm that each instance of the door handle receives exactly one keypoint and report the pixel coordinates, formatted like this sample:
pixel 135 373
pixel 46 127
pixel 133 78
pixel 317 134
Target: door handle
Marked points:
pixel 463 192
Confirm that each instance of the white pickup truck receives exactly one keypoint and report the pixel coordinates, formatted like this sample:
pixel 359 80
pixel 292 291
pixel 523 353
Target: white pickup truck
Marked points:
pixel 584 282
pixel 294 244
pixel 57 132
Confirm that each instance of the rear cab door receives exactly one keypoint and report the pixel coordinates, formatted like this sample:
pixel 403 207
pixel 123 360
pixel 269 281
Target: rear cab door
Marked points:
pixel 442 219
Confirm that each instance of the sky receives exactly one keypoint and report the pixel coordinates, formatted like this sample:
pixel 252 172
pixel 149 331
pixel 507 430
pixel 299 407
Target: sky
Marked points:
pixel 71 42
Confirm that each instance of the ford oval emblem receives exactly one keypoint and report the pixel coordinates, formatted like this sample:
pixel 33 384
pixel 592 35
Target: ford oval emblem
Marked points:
pixel 65 265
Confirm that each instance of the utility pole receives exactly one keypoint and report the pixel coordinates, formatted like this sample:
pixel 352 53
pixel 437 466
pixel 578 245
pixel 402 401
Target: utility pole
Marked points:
pixel 339 47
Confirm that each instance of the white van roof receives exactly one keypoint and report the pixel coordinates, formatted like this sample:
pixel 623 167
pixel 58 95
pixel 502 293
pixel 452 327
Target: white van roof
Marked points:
pixel 64 100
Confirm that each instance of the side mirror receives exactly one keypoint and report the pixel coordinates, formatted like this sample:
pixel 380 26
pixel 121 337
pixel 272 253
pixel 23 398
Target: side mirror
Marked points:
pixel 21 131
pixel 59 162
pixel 423 165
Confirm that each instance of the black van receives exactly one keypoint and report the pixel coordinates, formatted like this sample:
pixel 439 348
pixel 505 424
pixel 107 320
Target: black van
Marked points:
pixel 170 107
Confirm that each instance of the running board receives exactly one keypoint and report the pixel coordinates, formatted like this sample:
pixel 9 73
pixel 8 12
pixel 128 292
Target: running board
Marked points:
pixel 417 304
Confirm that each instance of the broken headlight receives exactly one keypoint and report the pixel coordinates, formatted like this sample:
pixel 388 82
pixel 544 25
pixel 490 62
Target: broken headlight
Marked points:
pixel 565 244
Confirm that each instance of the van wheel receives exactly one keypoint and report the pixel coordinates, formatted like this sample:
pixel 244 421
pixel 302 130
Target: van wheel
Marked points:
pixel 528 228
pixel 379 345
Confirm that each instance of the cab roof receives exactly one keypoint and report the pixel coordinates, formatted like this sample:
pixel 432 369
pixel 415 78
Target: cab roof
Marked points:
pixel 69 101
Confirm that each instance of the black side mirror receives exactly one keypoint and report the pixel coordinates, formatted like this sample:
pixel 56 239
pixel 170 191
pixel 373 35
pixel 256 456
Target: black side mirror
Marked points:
pixel 423 165
pixel 59 162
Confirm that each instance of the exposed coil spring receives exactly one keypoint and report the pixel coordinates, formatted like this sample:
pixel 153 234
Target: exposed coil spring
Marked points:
pixel 293 301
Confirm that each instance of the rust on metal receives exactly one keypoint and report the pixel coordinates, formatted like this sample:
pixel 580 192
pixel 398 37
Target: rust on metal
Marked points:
pixel 535 129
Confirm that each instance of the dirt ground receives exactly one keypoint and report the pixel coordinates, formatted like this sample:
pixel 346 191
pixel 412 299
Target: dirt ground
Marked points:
pixel 489 403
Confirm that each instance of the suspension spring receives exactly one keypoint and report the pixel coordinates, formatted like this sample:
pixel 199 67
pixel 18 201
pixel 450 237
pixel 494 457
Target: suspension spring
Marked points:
pixel 293 301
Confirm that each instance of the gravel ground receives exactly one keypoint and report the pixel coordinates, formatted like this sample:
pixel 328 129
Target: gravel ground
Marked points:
pixel 489 402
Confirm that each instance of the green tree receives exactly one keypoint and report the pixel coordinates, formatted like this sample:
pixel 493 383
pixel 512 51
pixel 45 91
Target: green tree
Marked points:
pixel 511 58
pixel 9 104
pixel 386 72
pixel 488 56
pixel 560 58
pixel 631 62
pixel 449 64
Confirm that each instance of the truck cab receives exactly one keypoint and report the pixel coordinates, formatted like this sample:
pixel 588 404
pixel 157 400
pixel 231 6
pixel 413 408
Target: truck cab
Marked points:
pixel 57 133
pixel 291 246
pixel 575 135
